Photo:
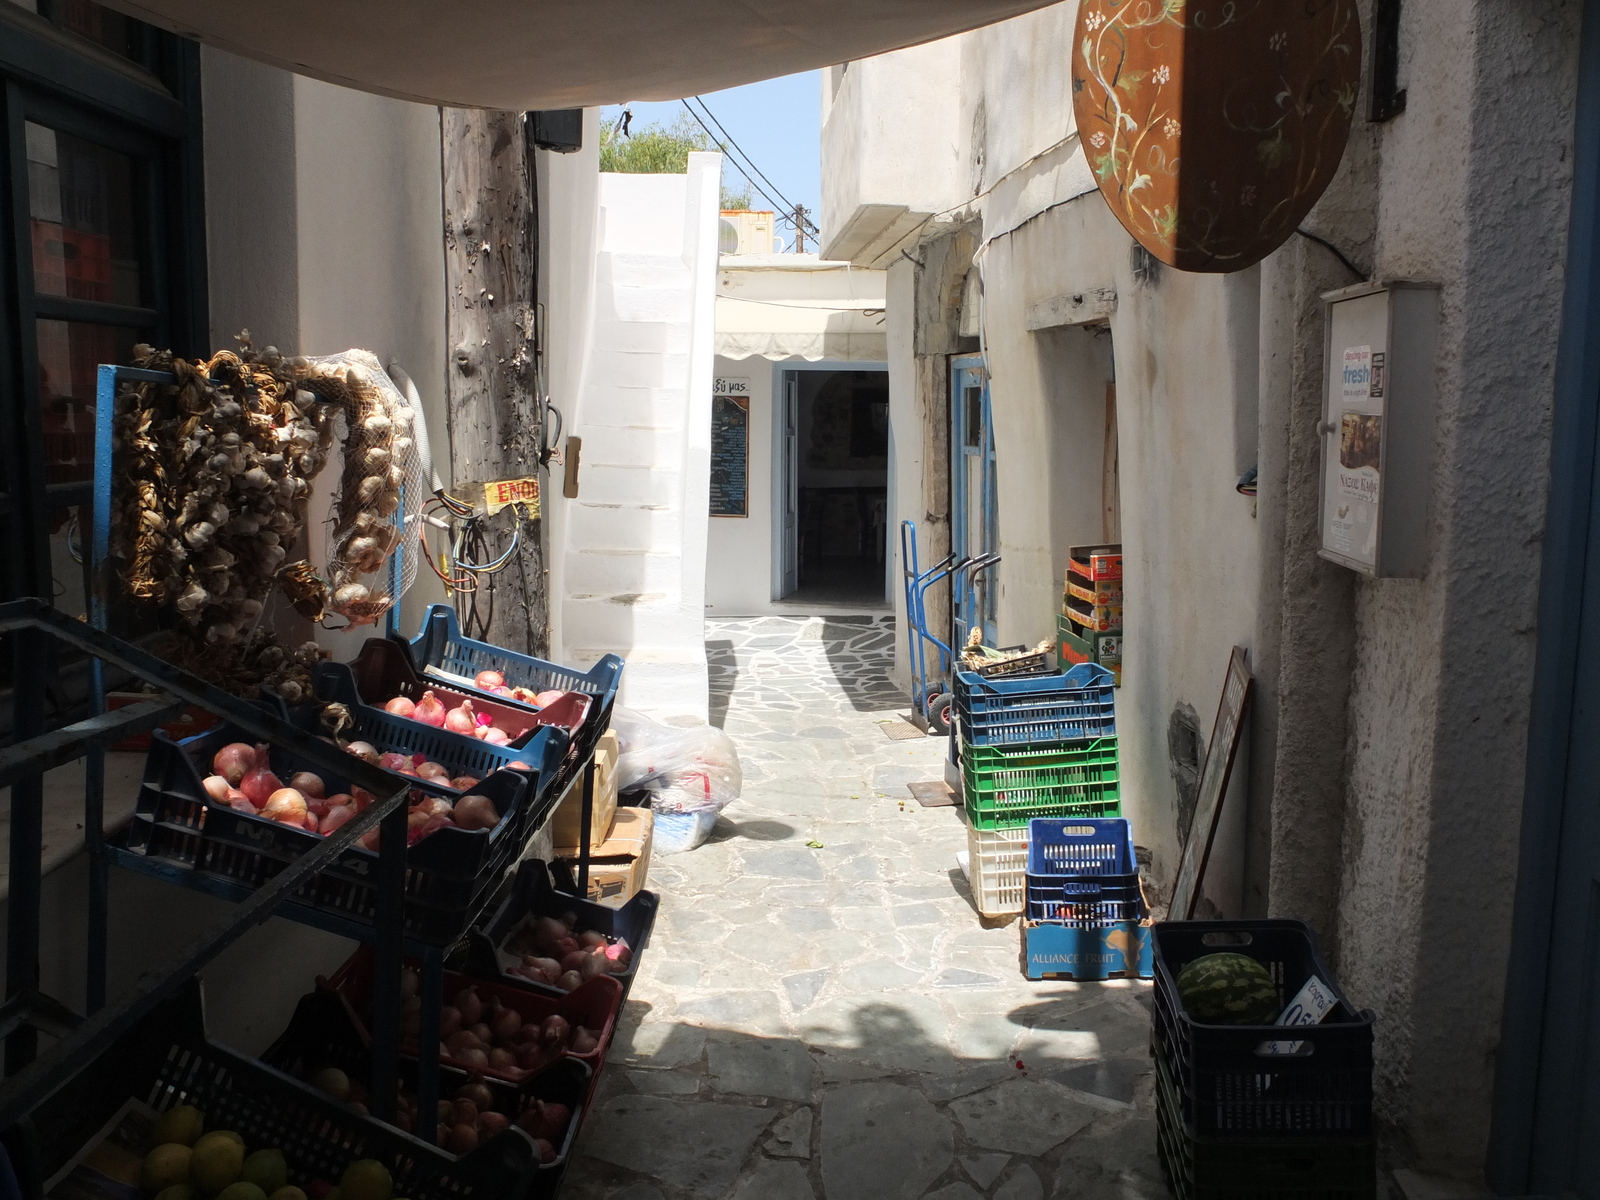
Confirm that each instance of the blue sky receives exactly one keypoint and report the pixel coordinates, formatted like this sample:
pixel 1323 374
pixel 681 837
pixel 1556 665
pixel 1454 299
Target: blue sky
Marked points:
pixel 777 122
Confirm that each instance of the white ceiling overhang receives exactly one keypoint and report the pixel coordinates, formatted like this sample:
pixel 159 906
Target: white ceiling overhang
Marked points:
pixel 540 54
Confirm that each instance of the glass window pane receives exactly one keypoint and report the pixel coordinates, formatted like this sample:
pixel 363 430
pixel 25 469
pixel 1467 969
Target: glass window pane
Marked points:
pixel 117 33
pixel 69 353
pixel 68 535
pixel 84 210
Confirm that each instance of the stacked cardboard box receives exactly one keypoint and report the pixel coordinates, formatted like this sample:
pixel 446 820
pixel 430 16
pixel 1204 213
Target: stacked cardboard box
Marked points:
pixel 1089 627
pixel 619 838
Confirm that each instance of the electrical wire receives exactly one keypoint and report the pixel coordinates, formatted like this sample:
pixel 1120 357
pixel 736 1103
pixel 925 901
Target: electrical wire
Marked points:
pixel 789 204
pixel 775 197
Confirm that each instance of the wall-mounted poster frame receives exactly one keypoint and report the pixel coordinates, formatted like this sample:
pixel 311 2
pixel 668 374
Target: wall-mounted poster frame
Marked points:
pixel 730 448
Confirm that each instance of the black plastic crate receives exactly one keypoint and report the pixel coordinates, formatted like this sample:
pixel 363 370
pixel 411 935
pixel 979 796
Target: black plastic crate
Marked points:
pixel 166 1060
pixel 1234 1168
pixel 1236 1079
pixel 322 1033
pixel 450 875
pixel 383 670
pixel 530 894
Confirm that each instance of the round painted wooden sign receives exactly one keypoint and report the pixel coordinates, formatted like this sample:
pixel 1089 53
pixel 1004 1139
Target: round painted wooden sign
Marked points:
pixel 1213 126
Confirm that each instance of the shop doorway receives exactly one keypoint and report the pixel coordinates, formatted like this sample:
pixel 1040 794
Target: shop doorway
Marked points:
pixel 974 511
pixel 834 486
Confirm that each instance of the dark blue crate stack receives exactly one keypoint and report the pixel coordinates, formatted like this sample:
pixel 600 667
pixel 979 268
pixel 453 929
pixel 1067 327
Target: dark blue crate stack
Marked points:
pixel 1261 1112
pixel 1081 872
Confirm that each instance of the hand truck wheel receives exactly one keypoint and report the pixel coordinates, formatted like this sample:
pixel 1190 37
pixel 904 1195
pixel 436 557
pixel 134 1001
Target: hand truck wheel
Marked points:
pixel 939 715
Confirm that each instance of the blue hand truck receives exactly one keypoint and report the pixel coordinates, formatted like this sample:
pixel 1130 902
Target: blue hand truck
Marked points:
pixel 931 695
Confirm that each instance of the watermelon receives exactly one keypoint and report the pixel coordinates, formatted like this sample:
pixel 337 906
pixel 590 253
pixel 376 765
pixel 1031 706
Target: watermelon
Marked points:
pixel 1228 989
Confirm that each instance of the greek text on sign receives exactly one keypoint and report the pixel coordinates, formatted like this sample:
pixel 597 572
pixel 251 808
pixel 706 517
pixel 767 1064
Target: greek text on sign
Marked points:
pixel 522 492
pixel 730 385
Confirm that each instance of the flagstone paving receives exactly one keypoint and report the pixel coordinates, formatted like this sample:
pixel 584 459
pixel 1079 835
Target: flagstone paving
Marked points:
pixel 821 1014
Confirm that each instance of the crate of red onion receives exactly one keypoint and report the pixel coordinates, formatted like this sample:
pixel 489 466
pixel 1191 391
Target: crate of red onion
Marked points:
pixel 327 1049
pixel 493 1029
pixel 529 938
pixel 441 651
pixel 198 809
pixel 166 1059
pixel 382 676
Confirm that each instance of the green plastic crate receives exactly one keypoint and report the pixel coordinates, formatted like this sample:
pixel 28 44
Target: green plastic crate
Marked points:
pixel 1007 786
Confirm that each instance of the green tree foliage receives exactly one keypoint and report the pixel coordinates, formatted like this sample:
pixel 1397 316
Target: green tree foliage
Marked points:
pixel 664 150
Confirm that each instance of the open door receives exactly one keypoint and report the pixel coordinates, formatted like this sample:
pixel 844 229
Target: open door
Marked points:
pixel 789 459
pixel 973 507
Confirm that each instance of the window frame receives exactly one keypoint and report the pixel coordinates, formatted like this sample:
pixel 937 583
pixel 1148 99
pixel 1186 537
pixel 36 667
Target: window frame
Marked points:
pixel 56 78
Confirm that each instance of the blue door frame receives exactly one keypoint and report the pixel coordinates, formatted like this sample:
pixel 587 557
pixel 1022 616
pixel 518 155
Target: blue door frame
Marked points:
pixel 1546 1137
pixel 974 523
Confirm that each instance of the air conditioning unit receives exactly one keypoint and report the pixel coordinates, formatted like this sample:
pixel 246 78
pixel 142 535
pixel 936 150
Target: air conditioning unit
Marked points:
pixel 744 232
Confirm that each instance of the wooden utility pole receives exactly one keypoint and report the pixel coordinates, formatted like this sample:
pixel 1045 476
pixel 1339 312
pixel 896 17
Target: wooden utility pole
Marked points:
pixel 492 401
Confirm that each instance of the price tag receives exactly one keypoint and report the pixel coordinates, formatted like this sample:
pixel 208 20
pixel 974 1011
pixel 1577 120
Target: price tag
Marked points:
pixel 1310 1004
pixel 521 492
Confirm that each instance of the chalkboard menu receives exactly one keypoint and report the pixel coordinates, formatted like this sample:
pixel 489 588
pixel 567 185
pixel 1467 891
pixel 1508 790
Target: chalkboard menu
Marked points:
pixel 730 456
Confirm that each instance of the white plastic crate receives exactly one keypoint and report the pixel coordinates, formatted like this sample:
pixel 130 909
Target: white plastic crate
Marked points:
pixel 997 869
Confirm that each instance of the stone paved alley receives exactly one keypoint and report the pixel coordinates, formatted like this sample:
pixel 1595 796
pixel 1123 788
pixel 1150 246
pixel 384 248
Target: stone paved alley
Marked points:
pixel 821 1015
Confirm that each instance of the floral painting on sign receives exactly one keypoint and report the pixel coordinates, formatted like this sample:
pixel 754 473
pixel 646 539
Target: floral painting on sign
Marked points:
pixel 1213 126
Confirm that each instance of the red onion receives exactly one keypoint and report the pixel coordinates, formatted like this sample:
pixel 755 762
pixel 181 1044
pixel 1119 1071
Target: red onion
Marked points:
pixel 547 1152
pixel 495 737
pixel 449 1021
pixel 342 815
pixel 502 691
pixel 584 1041
pixel 548 968
pixel 233 761
pixel 319 806
pixel 574 961
pixel 489 679
pixel 530 1056
pixel 476 812
pixel 528 1033
pixel 550 697
pixel 556 1029
pixel 259 783
pixel 464 783
pixel 470 1005
pixel 400 707
pixel 463 1139
pixel 478 1092
pixel 483 1033
pixel 461 719
pixel 362 798
pixel 286 805
pixel 491 1123
pixel 569 980
pixel 239 802
pixel 475 1057
pixel 619 955
pixel 433 770
pixel 590 938
pixel 463 1112
pixel 547 931
pixel 308 785
pixel 393 761
pixel 501 1059
pixel 365 751
pixel 217 788
pixel 566 945
pixel 459 1041
pixel 506 1023
pixel 429 710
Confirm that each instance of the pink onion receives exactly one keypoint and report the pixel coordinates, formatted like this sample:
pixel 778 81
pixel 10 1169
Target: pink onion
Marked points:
pixel 429 710
pixel 342 815
pixel 449 1020
pixel 394 761
pixel 233 761
pixel 519 765
pixel 240 803
pixel 464 783
pixel 584 1041
pixel 461 719
pixel 549 968
pixel 569 980
pixel 491 1123
pixel 365 751
pixel 547 931
pixel 478 1092
pixel 308 785
pixel 217 787
pixel 259 783
pixel 476 812
pixel 489 679
pixel 619 955
pixel 286 805
pixel 574 960
pixel 505 1024
pixel 502 691
pixel 495 737
pixel 555 1030
pixel 400 707
pixel 470 1005
pixel 362 798
pixel 530 1056
pixel 501 1059
pixel 433 770
pixel 590 938
pixel 550 697
pixel 566 945
pixel 460 1040
pixel 475 1057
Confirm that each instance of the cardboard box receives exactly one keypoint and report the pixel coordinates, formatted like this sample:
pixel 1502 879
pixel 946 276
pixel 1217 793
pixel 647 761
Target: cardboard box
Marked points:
pixel 566 824
pixel 1105 592
pixel 620 866
pixel 1051 950
pixel 1096 564
pixel 192 721
pixel 1076 645
pixel 1100 618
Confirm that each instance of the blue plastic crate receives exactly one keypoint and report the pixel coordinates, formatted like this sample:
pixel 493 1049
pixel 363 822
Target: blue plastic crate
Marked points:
pixel 1082 871
pixel 1074 706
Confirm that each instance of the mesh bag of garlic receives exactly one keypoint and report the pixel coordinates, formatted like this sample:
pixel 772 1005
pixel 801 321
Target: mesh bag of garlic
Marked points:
pixel 381 488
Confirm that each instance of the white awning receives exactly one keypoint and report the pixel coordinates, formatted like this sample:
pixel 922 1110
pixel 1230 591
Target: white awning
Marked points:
pixel 797 306
pixel 536 54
